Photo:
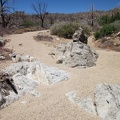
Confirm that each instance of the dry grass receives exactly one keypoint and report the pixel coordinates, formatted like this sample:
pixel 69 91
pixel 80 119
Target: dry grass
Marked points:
pixel 29 29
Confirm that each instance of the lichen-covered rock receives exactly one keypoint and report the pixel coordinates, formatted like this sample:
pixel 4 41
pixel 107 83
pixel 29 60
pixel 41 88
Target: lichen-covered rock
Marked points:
pixel 76 54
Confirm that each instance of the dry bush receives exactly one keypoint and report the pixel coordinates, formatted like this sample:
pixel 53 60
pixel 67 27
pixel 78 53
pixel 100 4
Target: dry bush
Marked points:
pixel 4 31
pixel 67 29
pixel 43 38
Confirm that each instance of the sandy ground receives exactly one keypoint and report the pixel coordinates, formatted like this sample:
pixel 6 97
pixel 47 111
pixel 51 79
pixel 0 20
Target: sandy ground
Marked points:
pixel 53 104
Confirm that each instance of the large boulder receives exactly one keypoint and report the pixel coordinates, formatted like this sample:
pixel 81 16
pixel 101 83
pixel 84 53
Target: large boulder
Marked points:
pixel 38 71
pixel 79 35
pixel 76 54
pixel 25 77
pixel 107 100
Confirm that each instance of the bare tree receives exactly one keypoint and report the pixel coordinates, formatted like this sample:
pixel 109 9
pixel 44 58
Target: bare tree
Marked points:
pixel 4 12
pixel 92 15
pixel 40 9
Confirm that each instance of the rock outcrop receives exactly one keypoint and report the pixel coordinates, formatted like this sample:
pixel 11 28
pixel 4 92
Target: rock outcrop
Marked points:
pixel 26 76
pixel 106 103
pixel 76 54
pixel 79 35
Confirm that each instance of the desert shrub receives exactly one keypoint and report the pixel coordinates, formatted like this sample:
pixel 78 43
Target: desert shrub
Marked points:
pixel 105 31
pixel 107 19
pixel 104 20
pixel 116 24
pixel 28 23
pixel 67 29
pixel 97 34
pixel 43 38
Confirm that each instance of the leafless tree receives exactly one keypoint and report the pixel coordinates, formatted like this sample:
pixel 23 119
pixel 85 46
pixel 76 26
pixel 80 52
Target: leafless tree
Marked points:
pixel 40 9
pixel 92 15
pixel 4 12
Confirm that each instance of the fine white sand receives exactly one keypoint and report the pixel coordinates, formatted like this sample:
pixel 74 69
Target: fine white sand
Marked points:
pixel 53 104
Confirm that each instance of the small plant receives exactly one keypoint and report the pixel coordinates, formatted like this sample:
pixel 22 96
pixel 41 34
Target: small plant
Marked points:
pixel 97 34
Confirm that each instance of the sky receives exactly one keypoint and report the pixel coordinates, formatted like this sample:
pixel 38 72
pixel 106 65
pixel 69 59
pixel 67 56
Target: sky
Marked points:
pixel 66 6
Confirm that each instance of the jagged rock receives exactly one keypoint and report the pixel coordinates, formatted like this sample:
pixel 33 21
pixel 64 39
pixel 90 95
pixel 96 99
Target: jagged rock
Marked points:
pixel 38 71
pixel 6 86
pixel 76 54
pixel 107 99
pixel 79 35
pixel 26 76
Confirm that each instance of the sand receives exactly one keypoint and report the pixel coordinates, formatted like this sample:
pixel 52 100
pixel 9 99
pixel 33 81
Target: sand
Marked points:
pixel 53 104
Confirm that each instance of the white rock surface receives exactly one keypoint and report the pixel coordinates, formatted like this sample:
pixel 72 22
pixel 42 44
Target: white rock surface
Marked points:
pixel 38 71
pixel 27 75
pixel 107 100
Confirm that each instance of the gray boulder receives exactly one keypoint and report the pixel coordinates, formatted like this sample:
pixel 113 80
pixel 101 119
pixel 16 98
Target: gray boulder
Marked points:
pixel 79 35
pixel 38 71
pixel 107 100
pixel 76 54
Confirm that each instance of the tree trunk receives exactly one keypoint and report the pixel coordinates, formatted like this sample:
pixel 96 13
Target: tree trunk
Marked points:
pixel 42 23
pixel 3 21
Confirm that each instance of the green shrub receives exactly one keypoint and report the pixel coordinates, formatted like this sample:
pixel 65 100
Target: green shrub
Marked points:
pixel 28 23
pixel 116 24
pixel 105 31
pixel 104 20
pixel 97 34
pixel 67 29
pixel 107 19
